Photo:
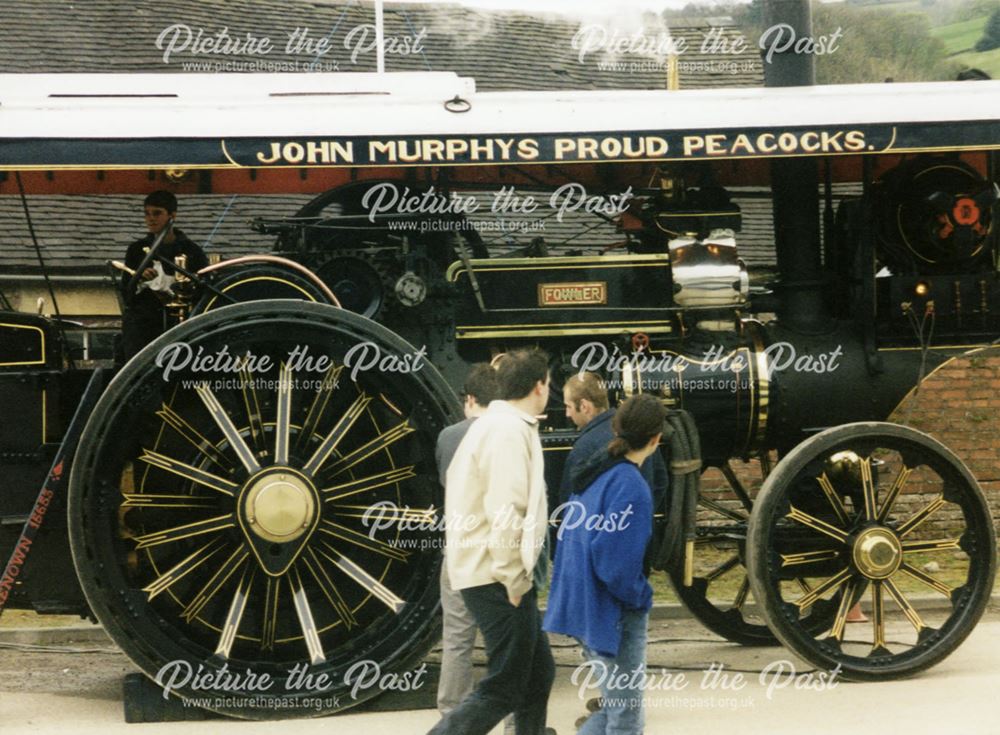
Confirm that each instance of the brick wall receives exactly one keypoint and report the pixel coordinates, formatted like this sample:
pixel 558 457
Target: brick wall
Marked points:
pixel 959 404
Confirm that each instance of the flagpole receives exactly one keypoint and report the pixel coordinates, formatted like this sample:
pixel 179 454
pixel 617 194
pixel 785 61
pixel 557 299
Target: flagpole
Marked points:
pixel 379 35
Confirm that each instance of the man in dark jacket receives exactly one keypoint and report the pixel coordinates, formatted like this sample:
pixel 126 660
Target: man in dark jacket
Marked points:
pixel 587 406
pixel 144 317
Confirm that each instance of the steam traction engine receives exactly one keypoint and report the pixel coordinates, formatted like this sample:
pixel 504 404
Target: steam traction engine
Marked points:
pixel 256 489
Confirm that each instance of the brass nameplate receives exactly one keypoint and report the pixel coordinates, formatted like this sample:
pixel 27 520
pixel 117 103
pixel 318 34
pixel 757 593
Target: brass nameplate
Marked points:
pixel 572 294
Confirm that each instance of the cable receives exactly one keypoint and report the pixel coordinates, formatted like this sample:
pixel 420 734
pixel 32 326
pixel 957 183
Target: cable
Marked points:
pixel 39 648
pixel 925 343
pixel 208 240
pixel 336 25
pixel 423 54
pixel 45 270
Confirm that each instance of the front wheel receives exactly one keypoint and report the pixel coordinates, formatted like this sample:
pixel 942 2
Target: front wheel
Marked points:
pixel 881 515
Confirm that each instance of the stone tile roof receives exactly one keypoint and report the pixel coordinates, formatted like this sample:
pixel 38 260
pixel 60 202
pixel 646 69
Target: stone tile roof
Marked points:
pixel 80 233
pixel 502 51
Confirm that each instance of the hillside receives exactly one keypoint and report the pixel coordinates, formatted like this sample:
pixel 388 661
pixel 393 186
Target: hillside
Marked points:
pixel 960 38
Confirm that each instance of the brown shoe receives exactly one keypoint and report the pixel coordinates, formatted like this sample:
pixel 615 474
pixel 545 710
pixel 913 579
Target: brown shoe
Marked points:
pixel 855 615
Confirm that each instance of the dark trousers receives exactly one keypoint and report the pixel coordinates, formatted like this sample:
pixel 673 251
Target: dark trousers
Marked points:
pixel 141 324
pixel 519 671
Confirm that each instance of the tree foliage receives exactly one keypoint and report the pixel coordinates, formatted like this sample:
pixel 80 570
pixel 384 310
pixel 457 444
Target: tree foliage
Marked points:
pixel 991 34
pixel 878 42
pixel 878 45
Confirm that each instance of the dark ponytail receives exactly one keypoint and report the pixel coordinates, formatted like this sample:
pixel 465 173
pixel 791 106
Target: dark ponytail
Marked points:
pixel 636 421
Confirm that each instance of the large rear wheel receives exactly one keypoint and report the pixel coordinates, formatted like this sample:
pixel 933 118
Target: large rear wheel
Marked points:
pixel 276 519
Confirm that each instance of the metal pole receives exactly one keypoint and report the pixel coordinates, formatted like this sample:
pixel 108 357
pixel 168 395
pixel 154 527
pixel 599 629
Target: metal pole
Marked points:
pixel 789 68
pixel 795 188
pixel 379 36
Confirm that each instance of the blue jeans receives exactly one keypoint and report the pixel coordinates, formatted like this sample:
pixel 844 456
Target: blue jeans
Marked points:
pixel 621 681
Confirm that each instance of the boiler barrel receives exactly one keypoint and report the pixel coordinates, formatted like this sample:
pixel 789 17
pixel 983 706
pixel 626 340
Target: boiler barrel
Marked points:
pixel 770 388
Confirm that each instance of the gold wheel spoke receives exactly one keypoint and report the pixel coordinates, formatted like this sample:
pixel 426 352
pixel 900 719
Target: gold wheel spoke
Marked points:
pixel 329 589
pixel 920 516
pixel 236 609
pixel 318 406
pixel 942 544
pixel 831 583
pixel 806 589
pixel 377 444
pixel 371 482
pixel 337 433
pixel 182 568
pixel 878 616
pixel 361 540
pixel 835 500
pixel 191 435
pixel 908 610
pixel 742 593
pixel 808 557
pixel 724 567
pixel 252 407
pixel 926 579
pixel 225 424
pixel 382 593
pixel 846 603
pixel 306 621
pixel 149 500
pixel 722 510
pixel 392 406
pixel 817 525
pixel 387 513
pixel 188 530
pixel 890 498
pixel 188 472
pixel 215 583
pixel 868 489
pixel 283 420
pixel 269 621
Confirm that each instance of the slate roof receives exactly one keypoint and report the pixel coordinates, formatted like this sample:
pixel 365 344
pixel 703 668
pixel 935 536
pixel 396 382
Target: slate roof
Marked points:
pixel 502 51
pixel 81 233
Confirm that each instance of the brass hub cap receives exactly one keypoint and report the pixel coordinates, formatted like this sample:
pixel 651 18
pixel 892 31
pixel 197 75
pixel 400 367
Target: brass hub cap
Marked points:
pixel 877 553
pixel 279 507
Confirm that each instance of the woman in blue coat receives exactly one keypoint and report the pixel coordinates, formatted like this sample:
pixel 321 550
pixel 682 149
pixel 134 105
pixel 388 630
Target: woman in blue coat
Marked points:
pixel 599 593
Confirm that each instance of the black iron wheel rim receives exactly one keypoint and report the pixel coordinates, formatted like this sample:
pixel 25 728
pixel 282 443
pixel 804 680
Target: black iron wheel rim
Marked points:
pixel 122 576
pixel 908 649
pixel 728 618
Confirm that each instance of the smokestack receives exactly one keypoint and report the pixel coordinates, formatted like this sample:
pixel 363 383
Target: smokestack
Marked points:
pixel 787 68
pixel 796 204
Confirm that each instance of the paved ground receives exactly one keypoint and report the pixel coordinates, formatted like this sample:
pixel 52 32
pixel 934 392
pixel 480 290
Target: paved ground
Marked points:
pixel 77 687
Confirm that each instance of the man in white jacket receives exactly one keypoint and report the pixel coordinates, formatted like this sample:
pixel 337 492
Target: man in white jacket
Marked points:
pixel 496 523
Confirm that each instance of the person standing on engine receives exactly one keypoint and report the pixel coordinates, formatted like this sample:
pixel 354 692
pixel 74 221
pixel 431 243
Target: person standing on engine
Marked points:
pixel 144 317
